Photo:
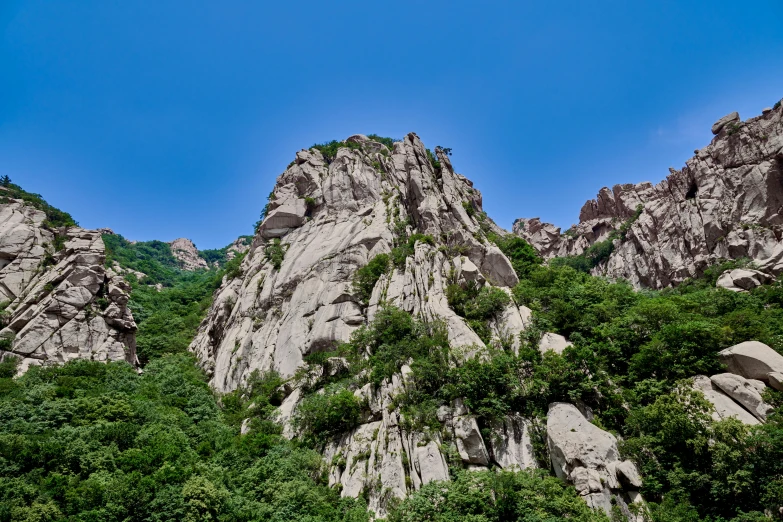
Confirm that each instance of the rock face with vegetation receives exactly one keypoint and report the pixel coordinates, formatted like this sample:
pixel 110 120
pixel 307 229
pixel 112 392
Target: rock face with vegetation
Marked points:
pixel 59 302
pixel 724 204
pixel 381 349
pixel 347 234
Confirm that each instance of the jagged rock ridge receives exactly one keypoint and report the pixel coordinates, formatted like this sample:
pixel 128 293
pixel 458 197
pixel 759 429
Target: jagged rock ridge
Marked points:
pixel 724 204
pixel 60 302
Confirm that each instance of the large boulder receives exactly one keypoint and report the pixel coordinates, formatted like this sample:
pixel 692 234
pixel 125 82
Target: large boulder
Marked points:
pixel 723 405
pixel 291 214
pixel 554 342
pixel 587 457
pixel 470 443
pixel 729 118
pixel 741 279
pixel 753 360
pixel 746 392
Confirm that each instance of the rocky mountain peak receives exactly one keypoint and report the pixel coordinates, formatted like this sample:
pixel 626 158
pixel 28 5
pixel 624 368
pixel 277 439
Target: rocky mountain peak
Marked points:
pixel 186 254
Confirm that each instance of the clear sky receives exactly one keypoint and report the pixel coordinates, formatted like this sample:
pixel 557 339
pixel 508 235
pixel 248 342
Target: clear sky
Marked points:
pixel 163 119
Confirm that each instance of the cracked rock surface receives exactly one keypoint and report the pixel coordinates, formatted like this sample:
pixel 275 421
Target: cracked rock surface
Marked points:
pixel 330 219
pixel 724 204
pixel 61 302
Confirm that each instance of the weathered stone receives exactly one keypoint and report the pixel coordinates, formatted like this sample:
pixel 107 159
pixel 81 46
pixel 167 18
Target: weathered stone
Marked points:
pixel 752 360
pixel 729 118
pixel 744 392
pixel 587 457
pixel 470 443
pixel 723 204
pixel 53 310
pixel 511 445
pixel 186 254
pixel 552 341
pixel 724 406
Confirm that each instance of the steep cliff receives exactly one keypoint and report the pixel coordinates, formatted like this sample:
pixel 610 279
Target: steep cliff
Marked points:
pixel 295 296
pixel 724 204
pixel 59 301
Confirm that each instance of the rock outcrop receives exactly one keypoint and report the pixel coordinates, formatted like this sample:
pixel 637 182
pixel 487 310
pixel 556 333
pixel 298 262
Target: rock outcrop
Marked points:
pixel 742 279
pixel 724 204
pixel 186 254
pixel 327 218
pixel 586 456
pixel 60 303
pixel 755 360
pixel 270 318
pixel 239 246
pixel 724 406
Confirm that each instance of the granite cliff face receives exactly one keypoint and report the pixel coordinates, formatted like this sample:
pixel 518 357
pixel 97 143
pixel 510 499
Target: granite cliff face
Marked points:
pixel 330 218
pixel 60 302
pixel 726 203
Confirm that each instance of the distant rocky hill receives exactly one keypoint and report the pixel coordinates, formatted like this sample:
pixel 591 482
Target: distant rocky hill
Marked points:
pixel 726 203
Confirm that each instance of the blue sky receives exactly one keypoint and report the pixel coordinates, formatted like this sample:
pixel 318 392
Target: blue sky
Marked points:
pixel 173 118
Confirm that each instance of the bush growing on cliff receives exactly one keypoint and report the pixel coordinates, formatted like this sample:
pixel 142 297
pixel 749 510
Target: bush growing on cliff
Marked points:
pixel 55 218
pixel 323 415
pixel 274 252
pixel 365 278
pixel 523 257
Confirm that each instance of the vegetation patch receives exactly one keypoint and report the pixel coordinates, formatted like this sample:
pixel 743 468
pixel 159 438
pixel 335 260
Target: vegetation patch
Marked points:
pixel 274 252
pixel 365 278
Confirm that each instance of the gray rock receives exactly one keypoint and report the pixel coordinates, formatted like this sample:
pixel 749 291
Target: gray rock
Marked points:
pixel 186 254
pixel 752 360
pixel 724 406
pixel 512 447
pixel 776 380
pixel 744 392
pixel 552 341
pixel 766 110
pixel 53 309
pixel 470 443
pixel 729 118
pixel 587 457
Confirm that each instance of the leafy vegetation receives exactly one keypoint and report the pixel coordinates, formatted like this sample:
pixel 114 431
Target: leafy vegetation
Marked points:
pixel 433 161
pixel 527 496
pixel 365 278
pixel 329 149
pixel 479 305
pixel 95 441
pixel 153 258
pixel 389 142
pixel 274 252
pixel 523 257
pixel 324 415
pixel 168 319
